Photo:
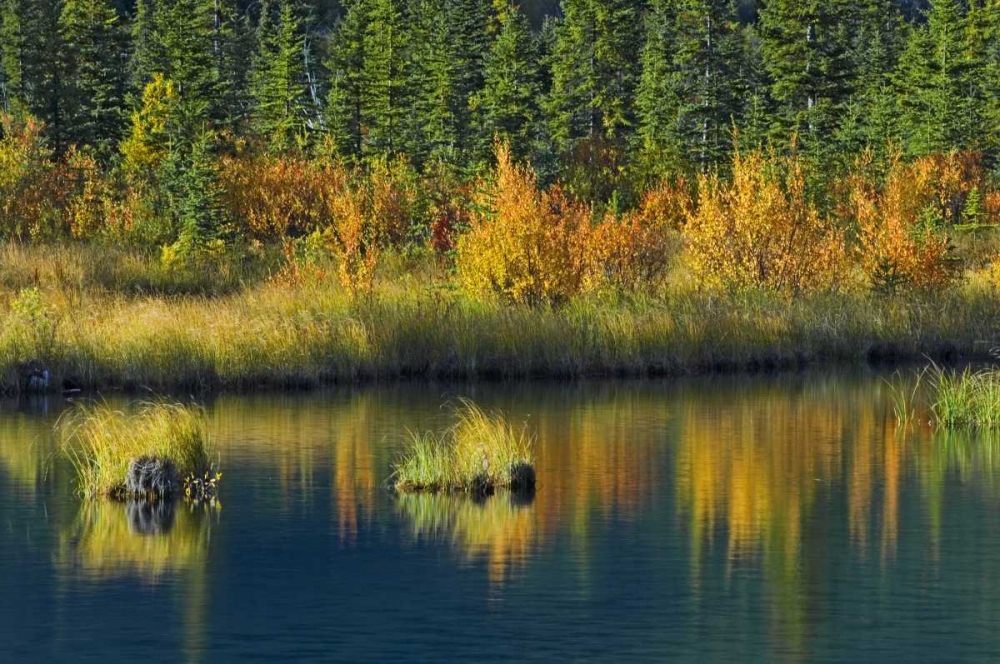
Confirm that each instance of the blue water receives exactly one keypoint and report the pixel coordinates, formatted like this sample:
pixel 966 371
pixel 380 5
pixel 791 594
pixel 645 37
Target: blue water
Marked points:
pixel 752 519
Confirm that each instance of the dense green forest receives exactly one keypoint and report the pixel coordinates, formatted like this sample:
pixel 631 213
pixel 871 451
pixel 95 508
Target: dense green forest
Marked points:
pixel 590 91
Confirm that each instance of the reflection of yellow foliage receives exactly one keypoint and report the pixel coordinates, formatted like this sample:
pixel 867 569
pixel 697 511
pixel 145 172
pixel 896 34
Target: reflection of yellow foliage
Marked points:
pixel 22 455
pixel 499 529
pixel 110 539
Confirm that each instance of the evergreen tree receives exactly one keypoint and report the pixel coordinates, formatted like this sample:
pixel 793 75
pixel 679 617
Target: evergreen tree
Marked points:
pixel 807 53
pixel 691 92
pixel 934 81
pixel 196 198
pixel 29 58
pixel 346 61
pixel 432 85
pixel 869 118
pixel 281 112
pixel 147 58
pixel 470 27
pixel 187 35
pixel 384 102
pixel 507 107
pixel 94 48
pixel 594 65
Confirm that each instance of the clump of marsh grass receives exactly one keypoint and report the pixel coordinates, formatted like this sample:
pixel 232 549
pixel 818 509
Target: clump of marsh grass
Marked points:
pixel 904 398
pixel 480 453
pixel 967 399
pixel 154 452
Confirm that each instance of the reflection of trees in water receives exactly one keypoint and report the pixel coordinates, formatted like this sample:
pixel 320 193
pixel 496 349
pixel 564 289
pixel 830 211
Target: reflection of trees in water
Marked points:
pixel 762 474
pixel 298 437
pixel 499 530
pixel 26 442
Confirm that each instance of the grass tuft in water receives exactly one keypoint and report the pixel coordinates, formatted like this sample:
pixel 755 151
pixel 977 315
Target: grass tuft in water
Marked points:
pixel 480 453
pixel 967 399
pixel 151 452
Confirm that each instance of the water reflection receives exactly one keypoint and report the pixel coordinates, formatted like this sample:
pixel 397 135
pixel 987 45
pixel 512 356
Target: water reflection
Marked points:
pixel 109 540
pixel 792 503
pixel 500 529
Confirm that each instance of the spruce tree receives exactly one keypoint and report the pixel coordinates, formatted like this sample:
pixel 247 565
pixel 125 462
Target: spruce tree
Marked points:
pixel 384 100
pixel 345 62
pixel 470 30
pixel 30 59
pixel 94 51
pixel 435 103
pixel 507 107
pixel 279 87
pixel 186 32
pixel 594 71
pixel 807 53
pixel 196 197
pixel 937 113
pixel 691 92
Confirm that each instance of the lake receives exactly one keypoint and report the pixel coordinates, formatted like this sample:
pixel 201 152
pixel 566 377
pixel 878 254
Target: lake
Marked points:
pixel 704 519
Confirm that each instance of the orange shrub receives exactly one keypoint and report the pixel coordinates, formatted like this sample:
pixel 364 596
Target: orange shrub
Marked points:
pixel 33 190
pixel 523 245
pixel 761 230
pixel 631 253
pixel 88 209
pixel 667 205
pixel 275 197
pixel 392 200
pixel 900 228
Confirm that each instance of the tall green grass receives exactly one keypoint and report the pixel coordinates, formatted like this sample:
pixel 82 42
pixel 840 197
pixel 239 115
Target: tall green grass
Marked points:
pixel 480 453
pixel 966 399
pixel 101 442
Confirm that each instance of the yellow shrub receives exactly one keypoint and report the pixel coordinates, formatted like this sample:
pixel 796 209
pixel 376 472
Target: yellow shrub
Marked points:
pixel 523 245
pixel 88 208
pixel 902 241
pixel 761 230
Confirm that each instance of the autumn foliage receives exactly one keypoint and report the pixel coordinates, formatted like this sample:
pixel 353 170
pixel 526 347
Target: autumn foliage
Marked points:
pixel 901 222
pixel 524 245
pixel 761 230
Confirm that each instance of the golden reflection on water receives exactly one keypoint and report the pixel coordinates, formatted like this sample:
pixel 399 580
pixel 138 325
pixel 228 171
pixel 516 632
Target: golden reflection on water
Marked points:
pixel 109 540
pixel 499 530
pixel 752 473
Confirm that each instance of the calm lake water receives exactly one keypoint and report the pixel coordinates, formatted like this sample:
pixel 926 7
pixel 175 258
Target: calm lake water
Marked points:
pixel 706 520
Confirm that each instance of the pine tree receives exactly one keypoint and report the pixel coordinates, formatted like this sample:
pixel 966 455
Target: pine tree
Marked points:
pixel 281 113
pixel 934 80
pixel 30 59
pixel 691 92
pixel 594 65
pixel 435 102
pixel 147 58
pixel 807 53
pixel 346 61
pixel 186 32
pixel 94 51
pixel 868 121
pixel 470 26
pixel 196 197
pixel 507 108
pixel 384 100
